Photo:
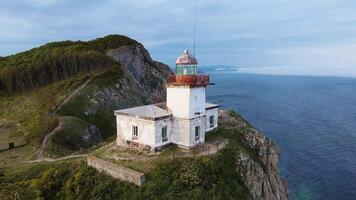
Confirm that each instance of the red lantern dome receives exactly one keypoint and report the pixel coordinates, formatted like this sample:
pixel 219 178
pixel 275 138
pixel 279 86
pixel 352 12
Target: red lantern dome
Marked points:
pixel 186 59
pixel 187 73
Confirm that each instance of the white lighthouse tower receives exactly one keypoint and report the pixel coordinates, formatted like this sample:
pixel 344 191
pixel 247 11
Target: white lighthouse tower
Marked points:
pixel 183 119
pixel 186 101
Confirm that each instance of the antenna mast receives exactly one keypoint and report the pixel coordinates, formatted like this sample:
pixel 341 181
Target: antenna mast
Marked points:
pixel 195 25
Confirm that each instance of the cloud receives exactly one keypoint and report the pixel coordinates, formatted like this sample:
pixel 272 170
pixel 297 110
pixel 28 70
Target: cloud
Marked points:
pixel 275 33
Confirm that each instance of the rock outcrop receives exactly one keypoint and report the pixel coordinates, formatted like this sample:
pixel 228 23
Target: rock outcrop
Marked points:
pixel 259 164
pixel 140 80
pixel 144 76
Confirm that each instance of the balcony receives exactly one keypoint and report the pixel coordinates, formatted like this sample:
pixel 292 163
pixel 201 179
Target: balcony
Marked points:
pixel 191 80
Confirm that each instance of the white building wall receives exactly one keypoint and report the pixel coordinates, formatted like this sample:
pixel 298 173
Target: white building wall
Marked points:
pixel 212 112
pixel 146 130
pixel 158 131
pixel 180 131
pixel 183 131
pixel 185 102
pixel 200 121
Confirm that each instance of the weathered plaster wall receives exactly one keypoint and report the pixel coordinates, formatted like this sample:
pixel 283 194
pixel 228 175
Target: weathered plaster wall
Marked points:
pixel 116 171
pixel 212 112
pixel 200 121
pixel 146 130
pixel 185 102
pixel 184 131
pixel 158 131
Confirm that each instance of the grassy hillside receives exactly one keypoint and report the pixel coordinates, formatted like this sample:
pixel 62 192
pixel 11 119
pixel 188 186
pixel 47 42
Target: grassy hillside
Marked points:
pixel 26 117
pixel 206 177
pixel 56 61
pixel 33 83
pixel 72 80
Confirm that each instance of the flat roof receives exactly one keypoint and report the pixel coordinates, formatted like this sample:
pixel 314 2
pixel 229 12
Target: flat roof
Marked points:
pixel 149 112
pixel 211 106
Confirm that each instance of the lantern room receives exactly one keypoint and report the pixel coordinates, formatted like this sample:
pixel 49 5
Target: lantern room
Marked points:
pixel 187 72
pixel 186 64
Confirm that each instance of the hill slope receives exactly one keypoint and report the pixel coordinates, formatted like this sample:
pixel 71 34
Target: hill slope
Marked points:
pixel 82 81
pixel 66 92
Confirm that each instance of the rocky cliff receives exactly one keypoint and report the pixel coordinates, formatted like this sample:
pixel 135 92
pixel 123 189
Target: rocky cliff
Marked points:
pixel 258 165
pixel 141 82
pixel 80 85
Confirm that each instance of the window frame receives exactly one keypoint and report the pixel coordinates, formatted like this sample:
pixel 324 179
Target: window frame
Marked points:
pixel 164 139
pixel 134 132
pixel 197 133
pixel 211 121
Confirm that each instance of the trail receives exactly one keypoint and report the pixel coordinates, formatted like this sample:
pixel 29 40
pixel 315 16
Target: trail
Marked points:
pixel 56 159
pixel 39 154
pixel 72 94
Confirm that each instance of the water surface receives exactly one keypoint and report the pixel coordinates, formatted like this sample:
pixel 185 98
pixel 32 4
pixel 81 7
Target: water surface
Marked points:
pixel 312 120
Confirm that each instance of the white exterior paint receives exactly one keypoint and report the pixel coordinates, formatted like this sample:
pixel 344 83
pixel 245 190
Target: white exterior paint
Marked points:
pixel 185 102
pixel 149 131
pixel 125 133
pixel 180 131
pixel 184 131
pixel 215 113
pixel 158 132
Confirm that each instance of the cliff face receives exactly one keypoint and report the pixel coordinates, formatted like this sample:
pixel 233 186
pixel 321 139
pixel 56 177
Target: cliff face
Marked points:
pixel 259 164
pixel 124 75
pixel 140 81
pixel 144 76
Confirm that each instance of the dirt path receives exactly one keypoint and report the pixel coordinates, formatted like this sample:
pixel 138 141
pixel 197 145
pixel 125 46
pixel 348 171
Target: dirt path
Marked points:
pixel 57 159
pixel 72 94
pixel 39 154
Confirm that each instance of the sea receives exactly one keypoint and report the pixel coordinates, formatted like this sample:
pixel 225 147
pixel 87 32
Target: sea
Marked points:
pixel 311 119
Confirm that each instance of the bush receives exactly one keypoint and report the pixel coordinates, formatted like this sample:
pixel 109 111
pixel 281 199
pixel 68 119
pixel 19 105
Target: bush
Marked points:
pixel 57 61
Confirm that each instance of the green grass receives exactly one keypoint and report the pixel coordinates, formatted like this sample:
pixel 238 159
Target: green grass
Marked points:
pixel 200 178
pixel 27 117
pixel 103 117
pixel 56 61
pixel 70 138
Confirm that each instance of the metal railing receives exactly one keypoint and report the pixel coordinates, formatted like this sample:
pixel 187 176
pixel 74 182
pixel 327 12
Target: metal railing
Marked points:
pixel 198 80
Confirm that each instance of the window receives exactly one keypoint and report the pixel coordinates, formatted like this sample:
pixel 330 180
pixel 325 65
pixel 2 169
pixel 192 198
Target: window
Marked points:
pixel 164 134
pixel 197 133
pixel 211 121
pixel 134 132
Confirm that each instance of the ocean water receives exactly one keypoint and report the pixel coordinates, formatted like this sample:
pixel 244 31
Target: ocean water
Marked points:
pixel 311 119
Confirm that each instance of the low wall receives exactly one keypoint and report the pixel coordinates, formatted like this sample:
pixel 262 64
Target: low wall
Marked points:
pixel 116 171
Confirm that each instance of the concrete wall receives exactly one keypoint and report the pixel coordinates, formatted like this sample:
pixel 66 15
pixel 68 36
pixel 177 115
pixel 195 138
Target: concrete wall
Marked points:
pixel 200 121
pixel 212 112
pixel 149 131
pixel 185 102
pixel 183 131
pixel 158 131
pixel 116 171
pixel 146 130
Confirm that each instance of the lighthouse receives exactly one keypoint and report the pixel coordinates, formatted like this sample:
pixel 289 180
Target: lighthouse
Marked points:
pixel 187 102
pixel 183 119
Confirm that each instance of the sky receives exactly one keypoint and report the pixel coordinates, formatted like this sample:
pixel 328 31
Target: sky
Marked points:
pixel 302 37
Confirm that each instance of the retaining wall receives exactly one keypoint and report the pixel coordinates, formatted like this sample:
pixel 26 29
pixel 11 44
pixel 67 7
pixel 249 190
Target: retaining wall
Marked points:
pixel 116 171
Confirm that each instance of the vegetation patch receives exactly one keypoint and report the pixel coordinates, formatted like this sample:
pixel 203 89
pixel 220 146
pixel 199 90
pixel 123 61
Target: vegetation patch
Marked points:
pixel 74 135
pixel 56 61
pixel 79 106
